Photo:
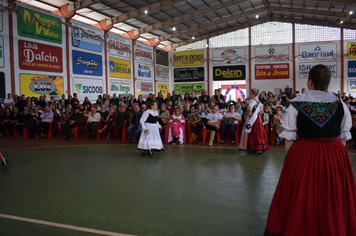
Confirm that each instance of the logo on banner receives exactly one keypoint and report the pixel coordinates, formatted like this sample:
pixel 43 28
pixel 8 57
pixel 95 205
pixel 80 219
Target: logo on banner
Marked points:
pixel 87 63
pixel 88 89
pixel 351 68
pixel 162 73
pixel 304 69
pixel 119 48
pixel 229 73
pixel 34 85
pixel 271 54
pixel 86 38
pixel 351 86
pixel 317 51
pixel 144 71
pixel 189 74
pixel 272 71
pixel 119 68
pixel 271 51
pixel 120 87
pixel 229 55
pixel 351 49
pixel 188 58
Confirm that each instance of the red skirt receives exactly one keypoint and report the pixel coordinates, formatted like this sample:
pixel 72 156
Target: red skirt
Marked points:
pixel 257 139
pixel 316 192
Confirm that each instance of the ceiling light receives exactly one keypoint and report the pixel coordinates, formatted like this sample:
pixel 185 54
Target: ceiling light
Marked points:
pixel 341 22
pixel 263 29
pixel 174 28
pixel 257 16
pixel 351 12
pixel 146 12
pixel 193 37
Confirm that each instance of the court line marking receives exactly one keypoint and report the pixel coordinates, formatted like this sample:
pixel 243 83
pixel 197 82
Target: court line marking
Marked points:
pixel 64 226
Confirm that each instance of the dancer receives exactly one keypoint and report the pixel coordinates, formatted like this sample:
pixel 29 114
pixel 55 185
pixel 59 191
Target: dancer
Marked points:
pixel 316 192
pixel 253 136
pixel 150 137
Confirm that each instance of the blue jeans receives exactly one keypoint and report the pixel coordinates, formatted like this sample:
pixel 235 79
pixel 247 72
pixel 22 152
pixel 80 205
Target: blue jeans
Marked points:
pixel 232 129
pixel 131 128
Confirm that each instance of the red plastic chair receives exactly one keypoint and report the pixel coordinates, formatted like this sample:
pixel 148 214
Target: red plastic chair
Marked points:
pixel 49 130
pixel 206 132
pixel 98 134
pixel 237 134
pixel 123 132
pixel 79 127
pixel 271 133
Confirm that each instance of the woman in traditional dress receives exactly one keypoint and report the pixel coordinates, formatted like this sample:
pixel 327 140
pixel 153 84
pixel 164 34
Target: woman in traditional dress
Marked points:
pixel 176 130
pixel 150 137
pixel 253 136
pixel 316 192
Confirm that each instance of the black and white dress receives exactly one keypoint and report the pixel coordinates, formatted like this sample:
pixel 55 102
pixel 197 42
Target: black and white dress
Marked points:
pixel 149 120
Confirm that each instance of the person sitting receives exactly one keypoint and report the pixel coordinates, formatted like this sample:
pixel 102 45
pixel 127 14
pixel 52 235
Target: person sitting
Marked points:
pixel 73 120
pixel 179 99
pixel 114 100
pixel 207 108
pixel 46 119
pixel 24 119
pixel 201 110
pixel 176 130
pixel 6 122
pixel 109 120
pixel 238 108
pixel 186 110
pixel 103 112
pixel 213 123
pixel 15 117
pixel 93 121
pixel 32 123
pixel 143 108
pixel 163 115
pixel 194 120
pixel 277 125
pixel 135 117
pixel 193 100
pixel 119 122
pixel 87 103
pixel 231 119
pixel 221 104
pixel 169 107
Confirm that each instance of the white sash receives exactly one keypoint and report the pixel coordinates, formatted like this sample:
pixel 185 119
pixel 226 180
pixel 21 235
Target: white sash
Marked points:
pixel 252 119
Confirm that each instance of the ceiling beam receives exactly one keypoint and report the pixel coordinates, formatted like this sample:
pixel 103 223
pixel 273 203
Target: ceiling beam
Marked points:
pixel 141 11
pixel 81 4
pixel 336 2
pixel 311 12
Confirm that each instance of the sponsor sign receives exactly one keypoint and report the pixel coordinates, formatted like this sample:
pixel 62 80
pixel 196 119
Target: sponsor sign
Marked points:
pixel 188 88
pixel 119 68
pixel 305 67
pixel 229 73
pixel 351 86
pixel 90 88
pixel 119 46
pixel 87 63
pixel 317 51
pixel 2 86
pixel 272 71
pixel 36 85
pixel 36 56
pixel 162 73
pixel 144 89
pixel 2 55
pixel 162 58
pixel 351 50
pixel 38 25
pixel 144 71
pixel 163 89
pixel 351 68
pixel 87 38
pixel 194 58
pixel 189 74
pixel 271 54
pixel 143 52
pixel 229 56
pixel 120 87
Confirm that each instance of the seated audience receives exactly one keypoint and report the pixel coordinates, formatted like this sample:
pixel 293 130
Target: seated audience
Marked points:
pixel 194 120
pixel 231 119
pixel 176 130
pixel 72 122
pixel 119 122
pixel 134 120
pixel 46 119
pixel 213 123
pixel 93 122
pixel 6 123
pixel 109 120
pixel 163 115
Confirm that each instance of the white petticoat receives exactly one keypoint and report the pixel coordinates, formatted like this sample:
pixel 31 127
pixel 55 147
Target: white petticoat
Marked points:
pixel 153 136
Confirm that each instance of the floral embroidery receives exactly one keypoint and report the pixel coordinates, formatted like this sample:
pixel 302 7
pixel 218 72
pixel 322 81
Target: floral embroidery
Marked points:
pixel 319 113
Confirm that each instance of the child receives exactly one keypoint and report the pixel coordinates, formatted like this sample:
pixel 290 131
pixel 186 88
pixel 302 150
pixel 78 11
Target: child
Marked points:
pixel 277 124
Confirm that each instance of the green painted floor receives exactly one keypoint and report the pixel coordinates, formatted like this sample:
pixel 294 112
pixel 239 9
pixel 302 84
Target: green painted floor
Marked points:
pixel 183 191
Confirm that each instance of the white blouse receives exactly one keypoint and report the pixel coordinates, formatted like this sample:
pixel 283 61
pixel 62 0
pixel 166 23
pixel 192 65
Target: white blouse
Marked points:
pixel 235 114
pixel 290 119
pixel 180 117
pixel 144 117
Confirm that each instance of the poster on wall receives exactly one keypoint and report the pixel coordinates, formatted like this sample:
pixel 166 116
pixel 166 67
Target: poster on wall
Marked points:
pixel 163 89
pixel 272 54
pixel 2 86
pixel 189 74
pixel 351 86
pixel 317 51
pixel 119 46
pixel 194 58
pixel 229 73
pixel 162 58
pixel 90 88
pixel 305 67
pixel 87 63
pixel 37 85
pixel 144 89
pixel 87 38
pixel 119 68
pixel 229 56
pixel 162 73
pixel 120 87
pixel 2 64
pixel 40 57
pixel 37 25
pixel 351 68
pixel 351 50
pixel 144 71
pixel 143 53
pixel 188 88
pixel 272 71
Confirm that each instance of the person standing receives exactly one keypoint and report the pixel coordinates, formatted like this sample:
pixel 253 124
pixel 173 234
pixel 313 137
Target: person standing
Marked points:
pixel 8 102
pixel 316 192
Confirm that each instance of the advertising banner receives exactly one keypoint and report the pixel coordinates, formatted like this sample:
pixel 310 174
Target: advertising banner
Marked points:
pixel 162 73
pixel 2 86
pixel 162 58
pixel 163 89
pixel 87 63
pixel 272 54
pixel 351 50
pixel 144 89
pixel 189 74
pixel 2 64
pixel 90 88
pixel 351 68
pixel 229 56
pixel 272 71
pixel 229 73
pixel 37 25
pixel 305 67
pixel 319 51
pixel 188 88
pixel 87 38
pixel 36 56
pixel 351 86
pixel 37 85
pixel 120 87
pixel 194 58
pixel 144 71
pixel 119 68
pixel 143 53
pixel 119 46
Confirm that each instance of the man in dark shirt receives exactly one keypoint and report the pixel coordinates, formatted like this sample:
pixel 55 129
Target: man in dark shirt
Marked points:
pixel 24 118
pixel 21 103
pixel 119 122
pixel 114 101
pixel 160 99
pixel 204 98
pixel 193 101
pixel 73 120
pixel 134 119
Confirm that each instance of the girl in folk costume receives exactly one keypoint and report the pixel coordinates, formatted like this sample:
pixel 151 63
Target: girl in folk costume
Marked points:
pixel 150 138
pixel 176 130
pixel 316 192
pixel 253 136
